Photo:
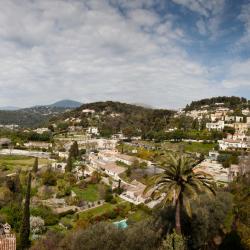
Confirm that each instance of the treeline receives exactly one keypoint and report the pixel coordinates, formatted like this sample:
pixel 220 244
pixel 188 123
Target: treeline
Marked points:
pixel 232 102
pixel 20 136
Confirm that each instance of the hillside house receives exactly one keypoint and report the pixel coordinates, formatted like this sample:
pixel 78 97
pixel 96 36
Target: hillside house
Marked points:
pixel 93 130
pixel 219 126
pixel 134 193
pixel 229 144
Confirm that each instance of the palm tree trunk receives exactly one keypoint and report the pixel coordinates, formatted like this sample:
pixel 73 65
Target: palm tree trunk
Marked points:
pixel 178 217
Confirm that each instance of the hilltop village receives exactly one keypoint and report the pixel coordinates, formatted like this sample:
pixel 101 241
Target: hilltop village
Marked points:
pixel 96 163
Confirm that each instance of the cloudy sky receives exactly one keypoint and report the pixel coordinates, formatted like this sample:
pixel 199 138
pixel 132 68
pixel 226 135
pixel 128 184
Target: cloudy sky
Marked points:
pixel 163 53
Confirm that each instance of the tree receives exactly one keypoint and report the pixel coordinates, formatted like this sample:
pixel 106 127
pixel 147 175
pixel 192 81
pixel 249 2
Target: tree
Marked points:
pixel 180 183
pixel 35 165
pixel 69 165
pixel 74 150
pixel 25 227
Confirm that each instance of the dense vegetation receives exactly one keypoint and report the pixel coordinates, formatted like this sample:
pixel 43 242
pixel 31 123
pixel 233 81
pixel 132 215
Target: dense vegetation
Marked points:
pixel 113 117
pixel 29 117
pixel 232 102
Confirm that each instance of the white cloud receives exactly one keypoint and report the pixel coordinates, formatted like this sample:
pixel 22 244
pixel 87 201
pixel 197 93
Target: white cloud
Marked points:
pixel 89 50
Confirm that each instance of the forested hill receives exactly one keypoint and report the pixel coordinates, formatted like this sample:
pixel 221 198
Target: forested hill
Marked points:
pixel 30 117
pixel 231 102
pixel 111 117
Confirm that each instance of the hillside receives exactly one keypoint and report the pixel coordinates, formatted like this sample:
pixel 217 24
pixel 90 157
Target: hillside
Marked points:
pixel 37 115
pixel 29 117
pixel 232 102
pixel 112 117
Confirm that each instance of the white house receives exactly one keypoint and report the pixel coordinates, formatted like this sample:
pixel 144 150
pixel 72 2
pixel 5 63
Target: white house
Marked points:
pixel 93 130
pixel 134 193
pixel 215 125
pixel 226 144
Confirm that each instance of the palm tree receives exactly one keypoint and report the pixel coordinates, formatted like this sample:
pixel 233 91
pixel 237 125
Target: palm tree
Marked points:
pixel 179 184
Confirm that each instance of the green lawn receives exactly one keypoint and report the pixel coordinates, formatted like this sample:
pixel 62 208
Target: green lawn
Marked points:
pixel 97 211
pixel 198 147
pixel 11 162
pixel 90 193
pixel 138 215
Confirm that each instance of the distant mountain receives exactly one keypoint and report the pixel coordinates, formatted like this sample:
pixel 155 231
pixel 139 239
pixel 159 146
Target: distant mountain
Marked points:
pixel 9 108
pixel 66 104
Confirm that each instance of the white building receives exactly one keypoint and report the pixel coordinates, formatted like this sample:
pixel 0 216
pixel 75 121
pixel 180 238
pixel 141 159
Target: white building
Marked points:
pixel 134 193
pixel 227 144
pixel 93 130
pixel 219 126
pixel 41 130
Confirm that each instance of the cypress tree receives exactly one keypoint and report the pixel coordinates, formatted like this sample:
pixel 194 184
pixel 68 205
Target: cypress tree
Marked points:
pixel 69 166
pixel 25 227
pixel 35 165
pixel 74 150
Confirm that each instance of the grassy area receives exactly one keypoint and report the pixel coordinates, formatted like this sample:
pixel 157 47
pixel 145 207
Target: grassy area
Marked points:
pixel 11 162
pixel 97 211
pixel 90 193
pixel 198 147
pixel 138 216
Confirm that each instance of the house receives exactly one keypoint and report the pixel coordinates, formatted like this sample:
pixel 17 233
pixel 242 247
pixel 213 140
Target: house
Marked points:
pixel 228 118
pixel 93 130
pixel 213 155
pixel 240 127
pixel 134 192
pixel 38 144
pixel 239 118
pixel 88 111
pixel 127 159
pixel 215 169
pixel 7 239
pixel 245 111
pixel 229 144
pixel 5 142
pixel 59 166
pixel 219 126
pixel 112 169
pixel 248 122
pixel 234 171
pixel 41 130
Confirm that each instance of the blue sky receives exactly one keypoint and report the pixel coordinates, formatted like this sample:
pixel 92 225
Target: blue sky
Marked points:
pixel 163 53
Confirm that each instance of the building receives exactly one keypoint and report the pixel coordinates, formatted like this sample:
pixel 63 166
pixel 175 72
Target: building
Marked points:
pixel 216 170
pixel 41 130
pixel 219 126
pixel 7 239
pixel 112 169
pixel 38 144
pixel 240 127
pixel 93 130
pixel 213 155
pixel 229 144
pixel 59 166
pixel 134 193
pixel 5 142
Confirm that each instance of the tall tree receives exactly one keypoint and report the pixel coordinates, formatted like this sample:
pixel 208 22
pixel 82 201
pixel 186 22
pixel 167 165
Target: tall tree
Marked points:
pixel 179 183
pixel 69 165
pixel 35 165
pixel 25 227
pixel 74 151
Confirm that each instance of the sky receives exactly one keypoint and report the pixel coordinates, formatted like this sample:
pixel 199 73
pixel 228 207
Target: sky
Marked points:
pixel 162 53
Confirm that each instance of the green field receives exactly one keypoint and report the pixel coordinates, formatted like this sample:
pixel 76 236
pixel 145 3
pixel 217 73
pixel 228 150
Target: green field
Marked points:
pixel 12 162
pixel 198 147
pixel 90 193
